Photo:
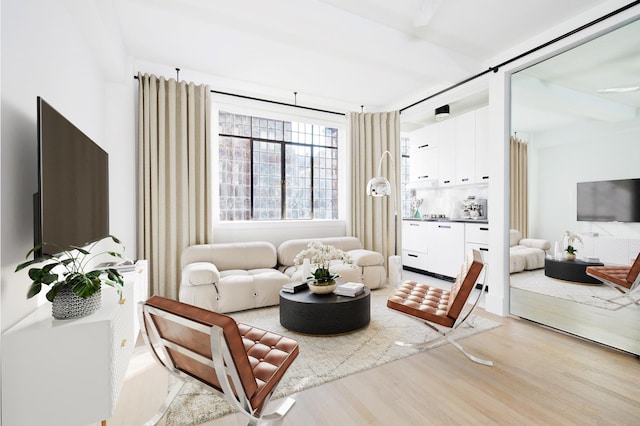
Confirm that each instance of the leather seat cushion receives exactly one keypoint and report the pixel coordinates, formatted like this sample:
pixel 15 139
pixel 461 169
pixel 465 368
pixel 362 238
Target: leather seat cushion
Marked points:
pixel 615 274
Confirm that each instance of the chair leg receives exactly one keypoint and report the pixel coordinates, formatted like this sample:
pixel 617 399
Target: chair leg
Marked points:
pixel 282 410
pixel 468 320
pixel 469 355
pixel 175 389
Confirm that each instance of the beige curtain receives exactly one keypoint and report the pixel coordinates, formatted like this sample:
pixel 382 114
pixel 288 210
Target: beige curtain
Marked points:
pixel 372 219
pixel 519 215
pixel 174 168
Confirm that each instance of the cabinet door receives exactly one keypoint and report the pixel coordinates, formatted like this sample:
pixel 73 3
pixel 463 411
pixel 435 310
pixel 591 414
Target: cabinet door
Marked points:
pixel 423 165
pixel 446 248
pixel 446 153
pixel 423 138
pixel 465 156
pixel 414 236
pixel 482 145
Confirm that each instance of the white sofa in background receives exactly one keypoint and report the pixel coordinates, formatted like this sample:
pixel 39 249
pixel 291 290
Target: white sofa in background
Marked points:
pixel 231 277
pixel 367 267
pixel 526 254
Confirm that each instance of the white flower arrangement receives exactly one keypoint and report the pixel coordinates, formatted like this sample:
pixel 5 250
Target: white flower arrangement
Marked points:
pixel 571 240
pixel 320 255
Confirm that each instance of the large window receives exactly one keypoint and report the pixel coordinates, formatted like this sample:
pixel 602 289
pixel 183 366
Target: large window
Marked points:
pixel 407 193
pixel 274 169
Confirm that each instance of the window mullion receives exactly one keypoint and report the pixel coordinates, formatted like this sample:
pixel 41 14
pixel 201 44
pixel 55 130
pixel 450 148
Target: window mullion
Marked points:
pixel 283 181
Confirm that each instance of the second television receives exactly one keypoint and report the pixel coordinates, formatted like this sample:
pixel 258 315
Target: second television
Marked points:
pixel 609 201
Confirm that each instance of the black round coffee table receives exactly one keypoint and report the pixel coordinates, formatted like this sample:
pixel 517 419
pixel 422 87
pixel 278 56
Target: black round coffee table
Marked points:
pixel 321 314
pixel 570 270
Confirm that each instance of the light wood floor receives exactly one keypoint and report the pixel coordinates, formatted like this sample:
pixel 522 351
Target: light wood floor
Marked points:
pixel 540 377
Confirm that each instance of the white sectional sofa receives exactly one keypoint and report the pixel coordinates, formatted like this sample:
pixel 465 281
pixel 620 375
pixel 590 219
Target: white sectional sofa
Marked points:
pixel 367 267
pixel 238 276
pixel 526 254
pixel 231 277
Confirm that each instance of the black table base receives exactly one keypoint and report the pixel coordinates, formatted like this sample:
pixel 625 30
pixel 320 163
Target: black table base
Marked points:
pixel 570 270
pixel 306 312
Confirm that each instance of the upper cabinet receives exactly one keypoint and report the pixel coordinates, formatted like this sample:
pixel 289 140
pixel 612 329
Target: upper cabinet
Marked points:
pixel 423 156
pixel 451 152
pixel 482 145
pixel 465 147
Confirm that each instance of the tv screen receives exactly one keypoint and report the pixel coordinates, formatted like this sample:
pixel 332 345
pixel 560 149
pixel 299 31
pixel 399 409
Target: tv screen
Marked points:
pixel 609 201
pixel 71 207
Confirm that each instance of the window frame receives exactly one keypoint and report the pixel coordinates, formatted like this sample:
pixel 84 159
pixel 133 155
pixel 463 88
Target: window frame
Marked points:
pixel 275 112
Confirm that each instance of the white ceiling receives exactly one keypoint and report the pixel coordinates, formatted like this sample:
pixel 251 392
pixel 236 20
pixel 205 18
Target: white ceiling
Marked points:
pixel 566 90
pixel 336 54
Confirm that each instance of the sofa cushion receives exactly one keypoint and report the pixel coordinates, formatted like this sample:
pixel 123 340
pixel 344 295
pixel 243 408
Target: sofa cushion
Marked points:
pixel 244 256
pixel 288 250
pixel 535 243
pixel 514 237
pixel 361 257
pixel 200 273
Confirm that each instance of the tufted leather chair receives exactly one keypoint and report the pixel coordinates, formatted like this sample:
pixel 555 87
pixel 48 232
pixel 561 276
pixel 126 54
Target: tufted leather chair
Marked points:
pixel 242 362
pixel 441 307
pixel 625 279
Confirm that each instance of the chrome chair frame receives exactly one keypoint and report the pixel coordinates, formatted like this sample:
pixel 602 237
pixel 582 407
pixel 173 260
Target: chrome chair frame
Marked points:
pixel 447 333
pixel 222 362
pixel 626 291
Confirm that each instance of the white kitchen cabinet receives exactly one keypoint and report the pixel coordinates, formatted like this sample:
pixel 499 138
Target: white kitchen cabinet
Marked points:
pixel 482 145
pixel 423 138
pixel 415 238
pixel 446 248
pixel 476 236
pixel 423 156
pixel 70 372
pixel 423 165
pixel 446 153
pixel 465 146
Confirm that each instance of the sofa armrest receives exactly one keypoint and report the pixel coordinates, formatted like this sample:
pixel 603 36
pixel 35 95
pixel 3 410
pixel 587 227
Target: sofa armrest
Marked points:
pixel 535 243
pixel 362 257
pixel 200 273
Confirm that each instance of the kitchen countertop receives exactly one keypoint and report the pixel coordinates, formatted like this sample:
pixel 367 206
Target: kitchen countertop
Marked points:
pixel 428 219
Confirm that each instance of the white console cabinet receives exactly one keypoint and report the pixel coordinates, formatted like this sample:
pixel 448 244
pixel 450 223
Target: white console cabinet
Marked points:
pixel 69 372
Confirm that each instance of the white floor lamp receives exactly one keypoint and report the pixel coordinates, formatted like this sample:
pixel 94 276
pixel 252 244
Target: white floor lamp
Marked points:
pixel 379 186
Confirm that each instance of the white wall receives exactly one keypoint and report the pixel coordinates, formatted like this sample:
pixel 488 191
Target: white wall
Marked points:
pixel 45 54
pixel 589 152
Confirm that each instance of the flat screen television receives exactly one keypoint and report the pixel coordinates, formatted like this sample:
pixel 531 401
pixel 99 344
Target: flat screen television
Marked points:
pixel 609 201
pixel 71 207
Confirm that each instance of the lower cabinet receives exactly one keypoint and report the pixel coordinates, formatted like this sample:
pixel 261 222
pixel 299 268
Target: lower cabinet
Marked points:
pixel 414 244
pixel 441 247
pixel 446 244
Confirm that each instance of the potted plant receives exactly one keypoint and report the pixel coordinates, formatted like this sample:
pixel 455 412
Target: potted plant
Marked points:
pixel 321 280
pixel 571 240
pixel 75 291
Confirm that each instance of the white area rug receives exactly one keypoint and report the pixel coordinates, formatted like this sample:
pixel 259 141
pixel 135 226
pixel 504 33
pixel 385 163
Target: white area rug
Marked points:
pixel 322 358
pixel 598 295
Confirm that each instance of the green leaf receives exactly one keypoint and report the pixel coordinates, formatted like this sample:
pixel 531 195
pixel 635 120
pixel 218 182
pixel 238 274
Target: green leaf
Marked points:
pixel 34 289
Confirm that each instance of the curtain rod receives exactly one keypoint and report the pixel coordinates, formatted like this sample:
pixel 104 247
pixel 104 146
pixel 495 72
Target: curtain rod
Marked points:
pixel 528 52
pixel 270 101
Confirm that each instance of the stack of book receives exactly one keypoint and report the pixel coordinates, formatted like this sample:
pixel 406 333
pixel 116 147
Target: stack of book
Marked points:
pixel 349 289
pixel 294 286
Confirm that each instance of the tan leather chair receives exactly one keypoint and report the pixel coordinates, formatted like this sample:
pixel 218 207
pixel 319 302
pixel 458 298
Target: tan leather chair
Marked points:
pixel 439 307
pixel 625 279
pixel 241 362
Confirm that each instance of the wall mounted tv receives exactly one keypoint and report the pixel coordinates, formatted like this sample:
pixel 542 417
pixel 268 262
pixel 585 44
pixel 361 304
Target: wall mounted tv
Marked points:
pixel 609 201
pixel 71 207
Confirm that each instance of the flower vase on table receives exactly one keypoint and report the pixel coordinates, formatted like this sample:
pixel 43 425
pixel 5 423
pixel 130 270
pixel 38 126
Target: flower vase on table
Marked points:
pixel 322 281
